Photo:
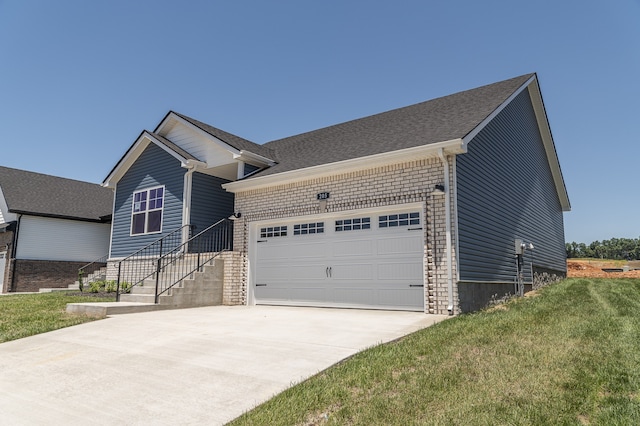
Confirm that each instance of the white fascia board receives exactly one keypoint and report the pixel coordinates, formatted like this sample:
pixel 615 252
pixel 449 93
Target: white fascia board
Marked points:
pixel 248 155
pixel 201 132
pixel 454 146
pixel 545 132
pixel 549 145
pixel 132 155
pixel 497 111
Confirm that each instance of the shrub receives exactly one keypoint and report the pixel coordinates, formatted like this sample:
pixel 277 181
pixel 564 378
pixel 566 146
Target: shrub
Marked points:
pixel 96 286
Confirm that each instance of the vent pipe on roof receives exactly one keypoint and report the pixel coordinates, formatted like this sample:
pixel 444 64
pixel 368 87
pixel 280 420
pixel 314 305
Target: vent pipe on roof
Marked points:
pixel 447 218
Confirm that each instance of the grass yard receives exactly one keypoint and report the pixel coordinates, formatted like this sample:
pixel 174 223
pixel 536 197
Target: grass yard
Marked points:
pixel 23 315
pixel 567 355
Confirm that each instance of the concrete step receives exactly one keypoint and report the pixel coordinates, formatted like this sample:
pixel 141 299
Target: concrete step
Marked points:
pixel 103 309
pixel 138 298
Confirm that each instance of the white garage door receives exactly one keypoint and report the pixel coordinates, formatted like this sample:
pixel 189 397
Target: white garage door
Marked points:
pixel 361 260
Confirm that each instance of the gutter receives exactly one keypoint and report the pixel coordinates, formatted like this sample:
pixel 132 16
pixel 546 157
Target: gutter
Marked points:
pixel 447 215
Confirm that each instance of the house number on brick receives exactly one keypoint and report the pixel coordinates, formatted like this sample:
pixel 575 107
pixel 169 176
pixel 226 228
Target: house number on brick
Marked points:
pixel 323 196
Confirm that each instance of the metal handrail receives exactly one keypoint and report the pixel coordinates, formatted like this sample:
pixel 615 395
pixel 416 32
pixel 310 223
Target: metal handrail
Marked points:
pixel 132 270
pixel 82 269
pixel 194 254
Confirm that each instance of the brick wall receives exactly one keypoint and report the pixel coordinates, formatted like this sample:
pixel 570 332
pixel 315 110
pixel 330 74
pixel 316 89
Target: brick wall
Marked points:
pixel 32 275
pixel 392 185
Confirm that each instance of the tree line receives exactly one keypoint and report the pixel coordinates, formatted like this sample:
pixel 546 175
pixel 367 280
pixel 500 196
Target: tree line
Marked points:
pixel 615 248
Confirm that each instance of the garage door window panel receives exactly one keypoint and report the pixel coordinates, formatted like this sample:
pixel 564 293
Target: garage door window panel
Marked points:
pixel 401 219
pixel 356 224
pixel 273 231
pixel 308 228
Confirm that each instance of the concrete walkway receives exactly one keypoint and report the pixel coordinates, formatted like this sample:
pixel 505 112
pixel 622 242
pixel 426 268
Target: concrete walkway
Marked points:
pixel 181 367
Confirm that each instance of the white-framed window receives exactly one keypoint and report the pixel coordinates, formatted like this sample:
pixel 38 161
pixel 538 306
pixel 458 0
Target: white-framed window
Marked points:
pixel 146 211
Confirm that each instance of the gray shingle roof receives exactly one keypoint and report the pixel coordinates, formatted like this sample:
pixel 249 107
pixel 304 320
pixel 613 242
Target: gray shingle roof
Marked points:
pixel 44 195
pixel 230 139
pixel 437 120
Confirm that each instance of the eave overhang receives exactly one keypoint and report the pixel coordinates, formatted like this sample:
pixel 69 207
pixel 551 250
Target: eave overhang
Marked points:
pixel 455 146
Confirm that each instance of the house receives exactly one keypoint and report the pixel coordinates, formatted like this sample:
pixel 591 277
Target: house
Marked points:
pixel 49 227
pixel 435 207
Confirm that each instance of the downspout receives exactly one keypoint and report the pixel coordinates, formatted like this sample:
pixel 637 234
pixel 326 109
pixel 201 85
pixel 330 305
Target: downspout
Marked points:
pixel 447 218
pixel 186 203
pixel 14 253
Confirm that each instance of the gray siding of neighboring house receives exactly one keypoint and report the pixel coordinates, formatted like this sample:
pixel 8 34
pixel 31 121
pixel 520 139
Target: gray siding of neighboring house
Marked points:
pixel 506 191
pixel 154 167
pixel 209 201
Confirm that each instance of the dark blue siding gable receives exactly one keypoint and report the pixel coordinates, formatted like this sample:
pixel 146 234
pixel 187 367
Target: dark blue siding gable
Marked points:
pixel 209 201
pixel 506 191
pixel 154 167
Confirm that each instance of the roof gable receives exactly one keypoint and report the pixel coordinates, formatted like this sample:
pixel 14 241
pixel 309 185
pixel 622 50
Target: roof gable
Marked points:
pixel 138 147
pixel 236 142
pixel 44 195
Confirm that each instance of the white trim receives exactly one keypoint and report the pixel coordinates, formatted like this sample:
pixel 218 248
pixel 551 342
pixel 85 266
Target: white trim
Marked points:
pixel 146 211
pixel 186 202
pixel 549 145
pixel 251 156
pixel 545 132
pixel 454 146
pixel 197 129
pixel 113 209
pixel 132 155
pixel 455 215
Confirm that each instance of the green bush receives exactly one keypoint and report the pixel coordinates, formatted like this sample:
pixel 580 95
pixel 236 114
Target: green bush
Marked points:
pixel 125 287
pixel 96 286
pixel 110 286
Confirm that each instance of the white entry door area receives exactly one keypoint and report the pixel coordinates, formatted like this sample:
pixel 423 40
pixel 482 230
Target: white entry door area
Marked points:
pixel 368 259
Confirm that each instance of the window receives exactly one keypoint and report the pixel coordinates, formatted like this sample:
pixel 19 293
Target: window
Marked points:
pixel 146 217
pixel 353 224
pixel 273 231
pixel 308 228
pixel 402 219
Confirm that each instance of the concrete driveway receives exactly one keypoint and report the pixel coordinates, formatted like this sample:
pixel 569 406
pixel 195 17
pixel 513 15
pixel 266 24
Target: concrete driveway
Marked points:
pixel 190 366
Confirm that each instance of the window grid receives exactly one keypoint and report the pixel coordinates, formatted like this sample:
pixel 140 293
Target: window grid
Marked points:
pixel 402 219
pixel 146 215
pixel 273 231
pixel 353 224
pixel 308 228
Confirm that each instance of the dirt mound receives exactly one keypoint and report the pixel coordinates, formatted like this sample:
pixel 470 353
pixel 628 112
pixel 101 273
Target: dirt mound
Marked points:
pixel 592 268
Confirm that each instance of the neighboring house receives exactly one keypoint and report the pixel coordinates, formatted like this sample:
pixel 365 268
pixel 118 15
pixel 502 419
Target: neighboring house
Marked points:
pixel 418 208
pixel 49 227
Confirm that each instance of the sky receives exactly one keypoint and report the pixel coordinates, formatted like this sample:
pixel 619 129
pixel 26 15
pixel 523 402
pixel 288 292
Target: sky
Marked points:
pixel 79 80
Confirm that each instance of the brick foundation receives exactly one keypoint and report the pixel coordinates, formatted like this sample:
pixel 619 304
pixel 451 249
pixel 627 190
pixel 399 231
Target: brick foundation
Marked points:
pixel 32 275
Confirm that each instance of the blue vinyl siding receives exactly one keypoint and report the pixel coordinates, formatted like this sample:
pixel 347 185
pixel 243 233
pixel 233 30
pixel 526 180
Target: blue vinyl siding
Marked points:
pixel 249 168
pixel 154 167
pixel 209 201
pixel 506 191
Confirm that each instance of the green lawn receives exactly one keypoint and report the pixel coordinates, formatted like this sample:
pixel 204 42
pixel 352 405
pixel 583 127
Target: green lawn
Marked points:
pixel 23 315
pixel 569 355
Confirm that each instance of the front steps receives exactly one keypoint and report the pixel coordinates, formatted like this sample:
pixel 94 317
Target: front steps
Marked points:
pixel 199 289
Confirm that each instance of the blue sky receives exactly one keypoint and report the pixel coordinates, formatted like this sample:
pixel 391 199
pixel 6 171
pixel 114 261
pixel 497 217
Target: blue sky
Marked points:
pixel 79 80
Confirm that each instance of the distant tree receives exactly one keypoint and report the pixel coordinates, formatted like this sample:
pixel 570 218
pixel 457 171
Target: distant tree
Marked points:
pixel 615 248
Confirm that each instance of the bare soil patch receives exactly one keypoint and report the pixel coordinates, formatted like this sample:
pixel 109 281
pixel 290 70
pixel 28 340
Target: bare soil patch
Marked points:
pixel 592 268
